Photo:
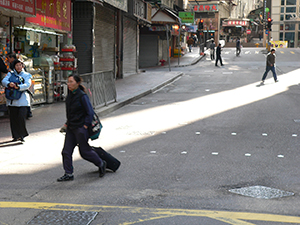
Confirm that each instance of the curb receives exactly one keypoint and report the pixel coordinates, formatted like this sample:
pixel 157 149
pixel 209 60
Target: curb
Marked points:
pixel 122 102
pixel 192 63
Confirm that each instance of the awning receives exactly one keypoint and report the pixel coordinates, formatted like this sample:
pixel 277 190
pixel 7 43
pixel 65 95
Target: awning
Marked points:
pixel 165 16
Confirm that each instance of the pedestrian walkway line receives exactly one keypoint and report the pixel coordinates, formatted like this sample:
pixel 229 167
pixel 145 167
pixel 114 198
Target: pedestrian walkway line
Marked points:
pixel 234 218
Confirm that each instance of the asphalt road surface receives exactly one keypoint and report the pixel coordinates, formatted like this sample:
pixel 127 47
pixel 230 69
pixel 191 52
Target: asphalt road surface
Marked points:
pixel 214 147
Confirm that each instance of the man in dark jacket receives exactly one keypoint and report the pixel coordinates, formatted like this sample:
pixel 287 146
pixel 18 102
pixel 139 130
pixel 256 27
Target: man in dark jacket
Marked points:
pixel 212 50
pixel 270 66
pixel 238 47
pixel 218 53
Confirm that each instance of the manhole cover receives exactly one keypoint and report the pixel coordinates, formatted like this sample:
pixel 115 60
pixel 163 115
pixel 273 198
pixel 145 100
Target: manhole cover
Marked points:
pixel 63 218
pixel 261 192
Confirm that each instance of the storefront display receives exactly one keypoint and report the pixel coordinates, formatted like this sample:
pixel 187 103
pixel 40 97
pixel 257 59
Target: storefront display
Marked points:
pixel 37 86
pixel 65 65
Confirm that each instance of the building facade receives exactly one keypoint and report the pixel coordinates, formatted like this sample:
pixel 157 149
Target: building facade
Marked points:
pixel 286 21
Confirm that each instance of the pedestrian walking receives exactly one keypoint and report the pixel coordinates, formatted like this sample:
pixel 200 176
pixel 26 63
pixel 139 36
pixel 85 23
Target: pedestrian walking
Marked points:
pixel 17 83
pixel 79 117
pixel 270 65
pixel 212 50
pixel 238 47
pixel 190 43
pixel 218 53
pixel 260 34
pixel 195 40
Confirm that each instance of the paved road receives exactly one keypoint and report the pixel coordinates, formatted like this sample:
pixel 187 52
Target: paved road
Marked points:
pixel 185 151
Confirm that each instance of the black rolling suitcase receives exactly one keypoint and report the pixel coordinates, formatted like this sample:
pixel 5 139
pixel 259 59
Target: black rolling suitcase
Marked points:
pixel 111 162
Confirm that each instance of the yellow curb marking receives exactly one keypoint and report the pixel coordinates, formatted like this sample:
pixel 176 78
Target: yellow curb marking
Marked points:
pixel 234 218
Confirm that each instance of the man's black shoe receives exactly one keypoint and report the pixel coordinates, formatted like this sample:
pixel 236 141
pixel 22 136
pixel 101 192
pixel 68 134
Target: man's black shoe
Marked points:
pixel 66 177
pixel 102 169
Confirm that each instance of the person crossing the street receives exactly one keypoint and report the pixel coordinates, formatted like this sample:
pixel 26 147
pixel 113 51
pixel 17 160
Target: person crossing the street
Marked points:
pixel 218 53
pixel 270 65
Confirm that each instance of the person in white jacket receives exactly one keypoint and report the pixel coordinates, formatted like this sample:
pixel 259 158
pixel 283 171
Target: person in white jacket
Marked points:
pixel 18 107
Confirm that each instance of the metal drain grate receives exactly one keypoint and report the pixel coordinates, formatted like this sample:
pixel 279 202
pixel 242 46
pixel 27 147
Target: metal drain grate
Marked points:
pixel 64 218
pixel 261 192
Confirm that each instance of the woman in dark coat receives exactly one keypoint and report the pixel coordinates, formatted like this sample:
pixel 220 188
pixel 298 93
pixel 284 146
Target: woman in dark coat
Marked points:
pixel 79 118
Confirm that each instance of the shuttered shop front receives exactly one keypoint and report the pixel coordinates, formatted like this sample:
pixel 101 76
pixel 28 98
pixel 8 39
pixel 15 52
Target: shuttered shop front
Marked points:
pixel 148 51
pixel 104 52
pixel 82 34
pixel 130 46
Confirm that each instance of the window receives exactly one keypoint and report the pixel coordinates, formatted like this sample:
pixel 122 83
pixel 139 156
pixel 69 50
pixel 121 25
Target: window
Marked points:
pixel 291 2
pixel 281 17
pixel 288 16
pixel 282 10
pixel 290 9
pixel 282 2
pixel 281 36
pixel 290 37
pixel 281 26
pixel 289 26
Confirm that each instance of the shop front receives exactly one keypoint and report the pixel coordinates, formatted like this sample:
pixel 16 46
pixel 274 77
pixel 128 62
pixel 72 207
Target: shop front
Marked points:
pixel 11 13
pixel 45 41
pixel 154 44
pixel 233 29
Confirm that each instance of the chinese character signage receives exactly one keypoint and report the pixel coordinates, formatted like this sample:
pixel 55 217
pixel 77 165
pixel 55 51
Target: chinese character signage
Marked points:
pixel 120 4
pixel 22 6
pixel 186 17
pixel 206 8
pixel 236 22
pixel 53 14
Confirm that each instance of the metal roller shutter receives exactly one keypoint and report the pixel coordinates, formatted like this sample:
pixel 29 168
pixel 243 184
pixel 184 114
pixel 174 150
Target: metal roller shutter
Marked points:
pixel 130 46
pixel 82 35
pixel 148 51
pixel 104 39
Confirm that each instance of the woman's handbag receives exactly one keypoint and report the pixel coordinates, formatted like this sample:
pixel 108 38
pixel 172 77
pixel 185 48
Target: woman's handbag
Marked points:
pixel 95 128
pixel 12 93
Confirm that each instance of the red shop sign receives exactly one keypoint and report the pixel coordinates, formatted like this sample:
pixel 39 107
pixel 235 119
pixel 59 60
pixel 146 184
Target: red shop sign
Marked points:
pixel 53 14
pixel 22 6
pixel 206 8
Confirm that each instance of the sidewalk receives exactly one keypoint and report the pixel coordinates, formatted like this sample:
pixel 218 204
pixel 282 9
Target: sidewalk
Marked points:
pixel 151 79
pixel 129 89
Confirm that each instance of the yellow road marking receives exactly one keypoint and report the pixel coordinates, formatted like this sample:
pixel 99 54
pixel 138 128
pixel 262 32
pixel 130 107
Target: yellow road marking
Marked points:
pixel 292 52
pixel 281 52
pixel 3 223
pixel 233 218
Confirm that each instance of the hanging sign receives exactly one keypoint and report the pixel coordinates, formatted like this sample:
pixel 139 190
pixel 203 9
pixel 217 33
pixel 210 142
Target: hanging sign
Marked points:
pixel 187 17
pixel 54 14
pixel 22 6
